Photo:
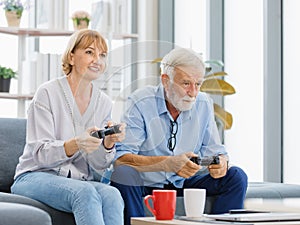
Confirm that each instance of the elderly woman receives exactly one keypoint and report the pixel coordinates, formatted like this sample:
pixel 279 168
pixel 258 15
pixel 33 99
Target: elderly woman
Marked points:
pixel 60 156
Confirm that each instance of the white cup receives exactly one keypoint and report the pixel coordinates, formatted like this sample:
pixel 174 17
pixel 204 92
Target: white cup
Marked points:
pixel 194 202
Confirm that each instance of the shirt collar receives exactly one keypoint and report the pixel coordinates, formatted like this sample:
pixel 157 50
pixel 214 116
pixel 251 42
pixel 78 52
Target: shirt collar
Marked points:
pixel 160 100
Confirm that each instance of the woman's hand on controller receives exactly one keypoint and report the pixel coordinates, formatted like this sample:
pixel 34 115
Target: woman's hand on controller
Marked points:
pixel 86 142
pixel 110 140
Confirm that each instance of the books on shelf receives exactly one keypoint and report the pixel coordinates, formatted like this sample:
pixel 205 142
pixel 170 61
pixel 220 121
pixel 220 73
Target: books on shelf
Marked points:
pixel 101 18
pixel 110 16
pixel 120 10
pixel 44 67
pixel 52 14
pixel 41 68
pixel 111 82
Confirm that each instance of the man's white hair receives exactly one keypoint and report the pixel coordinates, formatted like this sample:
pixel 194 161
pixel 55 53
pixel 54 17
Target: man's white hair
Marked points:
pixel 181 57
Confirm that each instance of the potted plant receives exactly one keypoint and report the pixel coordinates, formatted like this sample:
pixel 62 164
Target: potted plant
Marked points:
pixel 81 19
pixel 13 11
pixel 5 77
pixel 215 85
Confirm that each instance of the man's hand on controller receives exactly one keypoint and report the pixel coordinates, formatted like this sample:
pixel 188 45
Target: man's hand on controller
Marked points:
pixel 219 170
pixel 182 165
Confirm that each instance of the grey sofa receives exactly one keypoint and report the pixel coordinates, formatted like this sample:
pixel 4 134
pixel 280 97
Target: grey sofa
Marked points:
pixel 14 213
pixel 12 141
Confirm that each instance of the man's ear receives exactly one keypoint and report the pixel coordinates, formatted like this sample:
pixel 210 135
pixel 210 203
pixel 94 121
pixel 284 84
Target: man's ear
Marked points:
pixel 165 80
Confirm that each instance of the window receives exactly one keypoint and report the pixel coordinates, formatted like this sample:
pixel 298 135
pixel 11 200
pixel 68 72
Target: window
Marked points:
pixel 244 63
pixel 291 82
pixel 193 35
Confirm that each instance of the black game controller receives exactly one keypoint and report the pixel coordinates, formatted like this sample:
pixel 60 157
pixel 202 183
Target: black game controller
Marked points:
pixel 107 131
pixel 205 161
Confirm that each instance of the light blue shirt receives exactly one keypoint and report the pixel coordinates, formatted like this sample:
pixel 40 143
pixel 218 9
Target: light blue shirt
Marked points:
pixel 148 131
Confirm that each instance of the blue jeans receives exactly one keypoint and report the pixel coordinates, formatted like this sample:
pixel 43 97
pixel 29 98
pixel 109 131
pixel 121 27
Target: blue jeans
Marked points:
pixel 91 202
pixel 229 191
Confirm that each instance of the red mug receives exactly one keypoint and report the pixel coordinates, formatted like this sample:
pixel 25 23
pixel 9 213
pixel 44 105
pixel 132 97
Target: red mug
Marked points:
pixel 164 204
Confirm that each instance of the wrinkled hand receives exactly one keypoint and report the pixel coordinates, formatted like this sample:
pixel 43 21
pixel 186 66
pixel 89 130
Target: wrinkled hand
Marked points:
pixel 110 140
pixel 218 170
pixel 86 142
pixel 182 165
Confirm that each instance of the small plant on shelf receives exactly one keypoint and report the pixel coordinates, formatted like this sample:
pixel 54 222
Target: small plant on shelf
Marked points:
pixel 81 19
pixel 7 73
pixel 13 11
pixel 16 6
pixel 5 76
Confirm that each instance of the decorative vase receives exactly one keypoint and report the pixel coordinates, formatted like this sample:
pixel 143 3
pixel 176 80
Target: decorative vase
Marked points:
pixel 80 24
pixel 4 84
pixel 13 18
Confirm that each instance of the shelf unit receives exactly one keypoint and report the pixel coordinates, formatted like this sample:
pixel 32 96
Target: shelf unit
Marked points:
pixel 22 34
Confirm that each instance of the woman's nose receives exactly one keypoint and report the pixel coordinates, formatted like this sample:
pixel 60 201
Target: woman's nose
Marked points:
pixel 97 58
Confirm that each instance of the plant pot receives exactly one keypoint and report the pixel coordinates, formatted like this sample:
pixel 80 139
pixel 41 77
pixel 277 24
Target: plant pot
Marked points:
pixel 80 24
pixel 13 18
pixel 4 84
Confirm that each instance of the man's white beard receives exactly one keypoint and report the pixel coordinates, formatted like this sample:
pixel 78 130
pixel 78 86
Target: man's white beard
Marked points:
pixel 180 103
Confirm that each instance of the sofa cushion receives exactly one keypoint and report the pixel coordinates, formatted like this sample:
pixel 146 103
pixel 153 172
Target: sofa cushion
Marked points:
pixel 57 216
pixel 272 190
pixel 13 213
pixel 12 141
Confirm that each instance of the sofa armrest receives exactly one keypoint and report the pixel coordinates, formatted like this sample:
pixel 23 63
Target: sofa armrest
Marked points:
pixel 12 142
pixel 14 213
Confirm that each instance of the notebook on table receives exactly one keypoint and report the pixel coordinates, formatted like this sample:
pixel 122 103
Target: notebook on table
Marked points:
pixel 256 217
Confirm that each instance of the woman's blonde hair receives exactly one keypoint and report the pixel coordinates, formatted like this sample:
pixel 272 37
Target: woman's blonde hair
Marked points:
pixel 81 39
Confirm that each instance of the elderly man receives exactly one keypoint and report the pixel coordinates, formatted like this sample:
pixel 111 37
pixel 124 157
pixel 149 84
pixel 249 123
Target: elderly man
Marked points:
pixel 167 125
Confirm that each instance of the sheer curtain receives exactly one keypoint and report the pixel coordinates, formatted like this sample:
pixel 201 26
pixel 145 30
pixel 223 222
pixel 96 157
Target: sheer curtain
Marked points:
pixel 190 24
pixel 243 34
pixel 291 82
pixel 243 40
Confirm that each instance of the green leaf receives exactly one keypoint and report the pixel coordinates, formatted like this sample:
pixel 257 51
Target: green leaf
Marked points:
pixel 215 62
pixel 7 72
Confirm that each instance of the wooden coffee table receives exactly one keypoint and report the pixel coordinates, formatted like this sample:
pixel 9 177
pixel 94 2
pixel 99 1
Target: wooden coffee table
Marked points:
pixel 153 221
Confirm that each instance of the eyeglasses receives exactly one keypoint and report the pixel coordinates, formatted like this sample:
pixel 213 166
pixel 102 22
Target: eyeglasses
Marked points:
pixel 173 131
